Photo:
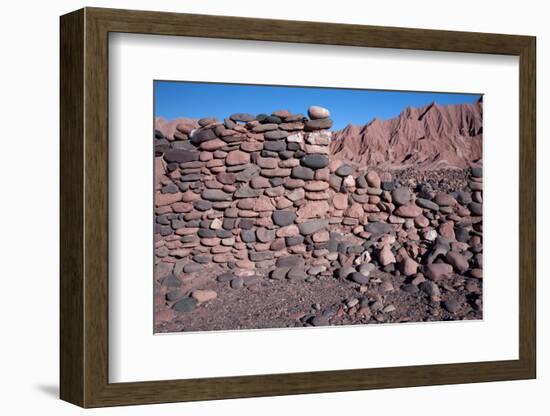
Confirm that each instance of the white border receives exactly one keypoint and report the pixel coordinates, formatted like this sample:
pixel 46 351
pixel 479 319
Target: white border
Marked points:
pixel 136 355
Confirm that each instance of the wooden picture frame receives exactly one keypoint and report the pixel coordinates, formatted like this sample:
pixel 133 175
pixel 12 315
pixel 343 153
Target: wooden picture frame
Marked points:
pixel 84 207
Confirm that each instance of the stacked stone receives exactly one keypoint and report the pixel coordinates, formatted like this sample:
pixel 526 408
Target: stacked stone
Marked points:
pixel 256 196
pixel 242 194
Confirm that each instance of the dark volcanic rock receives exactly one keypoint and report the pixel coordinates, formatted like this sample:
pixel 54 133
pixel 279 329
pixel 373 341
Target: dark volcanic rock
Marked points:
pixel 315 161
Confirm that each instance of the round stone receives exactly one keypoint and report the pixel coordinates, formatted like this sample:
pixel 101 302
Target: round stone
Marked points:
pixel 185 305
pixel 316 112
pixel 315 161
pixel 401 196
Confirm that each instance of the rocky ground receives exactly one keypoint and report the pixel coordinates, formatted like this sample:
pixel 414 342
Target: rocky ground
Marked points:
pixel 257 228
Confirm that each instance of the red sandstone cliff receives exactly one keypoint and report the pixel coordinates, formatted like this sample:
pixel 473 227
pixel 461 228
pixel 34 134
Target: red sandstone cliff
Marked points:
pixel 429 137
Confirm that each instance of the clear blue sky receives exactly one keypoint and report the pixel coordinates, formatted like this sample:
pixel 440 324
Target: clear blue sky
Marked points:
pixel 197 100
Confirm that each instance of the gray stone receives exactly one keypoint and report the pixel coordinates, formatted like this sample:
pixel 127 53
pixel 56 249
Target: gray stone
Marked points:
pixel 192 268
pixel 216 195
pixel 451 305
pixel 294 240
pixel 202 135
pixel 320 321
pixel 301 172
pixel 171 281
pixel 322 123
pixel 317 112
pixel 315 161
pixel 344 272
pixel 246 191
pixel 185 305
pixel 180 156
pixel 275 145
pixel 426 203
pixel 275 134
pixel 290 261
pixel 401 196
pixel 344 170
pixel 248 236
pixel 475 208
pixel 283 218
pixel 237 283
pixel 312 226
pixel 477 172
pixel 296 273
pixel 225 277
pixel 279 273
pixel 379 228
pixel 202 205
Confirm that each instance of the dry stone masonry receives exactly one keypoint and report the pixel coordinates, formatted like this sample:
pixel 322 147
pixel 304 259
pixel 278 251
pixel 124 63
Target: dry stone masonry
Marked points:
pixel 255 199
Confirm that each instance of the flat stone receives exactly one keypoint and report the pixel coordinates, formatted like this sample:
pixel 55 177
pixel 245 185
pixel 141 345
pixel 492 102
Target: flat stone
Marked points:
pixel 359 278
pixel 216 195
pixel 181 156
pixel 408 211
pixel 302 172
pixel 185 305
pixel 260 128
pixel 444 200
pixel 279 273
pixel 247 192
pixel 319 124
pixel 315 161
pixel 202 135
pixel 344 170
pixel 312 226
pixel 296 273
pixel 275 145
pixel 283 218
pixel 379 228
pixel 290 261
pixel 243 117
pixel 202 296
pixel 237 157
pixel 426 203
pixel 276 134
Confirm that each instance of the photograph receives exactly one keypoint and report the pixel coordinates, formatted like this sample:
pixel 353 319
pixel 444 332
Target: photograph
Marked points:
pixel 292 206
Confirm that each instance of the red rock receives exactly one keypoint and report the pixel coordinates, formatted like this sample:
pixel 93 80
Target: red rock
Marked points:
pixel 316 186
pixel 263 203
pixel 288 231
pixel 252 146
pixel 355 211
pixel 320 236
pixel 447 230
pixel 313 209
pixel 373 179
pixel 202 296
pixel 212 145
pixel 267 162
pixel 259 182
pixel 236 157
pixel 421 221
pixel 437 130
pixel 167 199
pixel 458 261
pixel 438 271
pixel 408 211
pixel 340 201
pixel 408 266
pixel 385 256
pixel 165 315
pixel 189 196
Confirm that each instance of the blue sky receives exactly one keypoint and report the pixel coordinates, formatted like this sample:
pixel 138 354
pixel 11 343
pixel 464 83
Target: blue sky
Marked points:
pixel 197 100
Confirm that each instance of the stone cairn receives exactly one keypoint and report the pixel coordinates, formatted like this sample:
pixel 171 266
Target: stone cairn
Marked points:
pixel 257 197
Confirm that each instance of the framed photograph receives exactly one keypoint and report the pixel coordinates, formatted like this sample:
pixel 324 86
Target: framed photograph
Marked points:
pixel 254 207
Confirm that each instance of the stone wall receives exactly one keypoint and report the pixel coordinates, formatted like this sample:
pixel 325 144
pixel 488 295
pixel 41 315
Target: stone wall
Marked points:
pixel 259 197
